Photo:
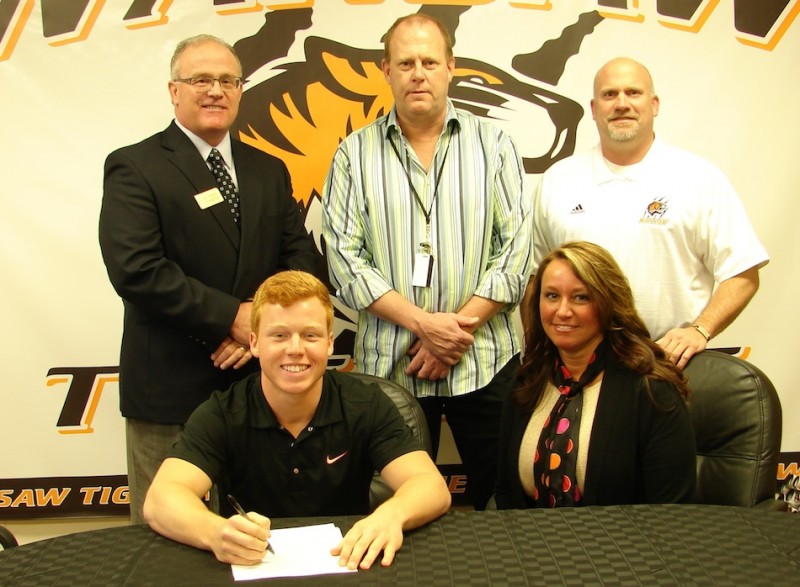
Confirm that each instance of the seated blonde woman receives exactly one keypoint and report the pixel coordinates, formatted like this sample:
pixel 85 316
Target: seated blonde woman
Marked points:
pixel 599 414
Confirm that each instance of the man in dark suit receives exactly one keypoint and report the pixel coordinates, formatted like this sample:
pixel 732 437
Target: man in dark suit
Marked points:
pixel 185 250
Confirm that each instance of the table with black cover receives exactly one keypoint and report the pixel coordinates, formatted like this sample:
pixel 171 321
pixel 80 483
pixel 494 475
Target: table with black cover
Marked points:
pixel 619 545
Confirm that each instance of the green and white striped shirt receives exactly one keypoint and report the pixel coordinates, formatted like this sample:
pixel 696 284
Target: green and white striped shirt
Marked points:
pixel 481 237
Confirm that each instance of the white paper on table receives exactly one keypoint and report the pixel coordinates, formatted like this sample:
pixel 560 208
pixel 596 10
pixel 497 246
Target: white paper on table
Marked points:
pixel 298 552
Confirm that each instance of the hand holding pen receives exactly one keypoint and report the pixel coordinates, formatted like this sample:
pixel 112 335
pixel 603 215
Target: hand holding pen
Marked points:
pixel 240 510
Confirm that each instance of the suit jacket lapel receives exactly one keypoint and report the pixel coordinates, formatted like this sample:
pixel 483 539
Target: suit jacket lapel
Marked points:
pixel 605 420
pixel 249 187
pixel 187 159
pixel 250 202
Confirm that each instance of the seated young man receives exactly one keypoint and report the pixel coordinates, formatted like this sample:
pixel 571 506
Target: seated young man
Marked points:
pixel 295 439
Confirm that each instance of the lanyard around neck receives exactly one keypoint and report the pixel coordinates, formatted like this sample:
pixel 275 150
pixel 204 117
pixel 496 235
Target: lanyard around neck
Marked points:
pixel 414 192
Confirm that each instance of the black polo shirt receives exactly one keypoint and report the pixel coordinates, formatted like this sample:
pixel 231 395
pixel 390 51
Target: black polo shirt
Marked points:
pixel 236 440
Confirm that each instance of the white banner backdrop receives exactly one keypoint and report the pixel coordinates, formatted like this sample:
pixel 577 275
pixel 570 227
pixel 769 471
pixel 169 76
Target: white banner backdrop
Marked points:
pixel 80 79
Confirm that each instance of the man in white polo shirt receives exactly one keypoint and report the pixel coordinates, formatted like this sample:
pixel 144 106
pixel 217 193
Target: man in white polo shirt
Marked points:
pixel 671 219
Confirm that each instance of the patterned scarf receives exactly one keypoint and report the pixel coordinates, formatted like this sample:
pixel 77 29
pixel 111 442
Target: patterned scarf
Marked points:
pixel 555 484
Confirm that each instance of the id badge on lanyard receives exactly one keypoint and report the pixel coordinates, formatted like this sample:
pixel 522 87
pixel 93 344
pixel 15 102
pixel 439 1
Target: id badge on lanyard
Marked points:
pixel 423 266
pixel 423 260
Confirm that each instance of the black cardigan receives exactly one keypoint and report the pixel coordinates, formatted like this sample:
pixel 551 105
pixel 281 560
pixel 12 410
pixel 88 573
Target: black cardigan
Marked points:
pixel 638 453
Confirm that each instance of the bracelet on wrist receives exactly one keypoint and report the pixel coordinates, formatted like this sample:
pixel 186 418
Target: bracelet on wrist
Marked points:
pixel 702 331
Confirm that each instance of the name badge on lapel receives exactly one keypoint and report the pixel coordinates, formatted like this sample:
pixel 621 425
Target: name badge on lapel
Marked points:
pixel 208 198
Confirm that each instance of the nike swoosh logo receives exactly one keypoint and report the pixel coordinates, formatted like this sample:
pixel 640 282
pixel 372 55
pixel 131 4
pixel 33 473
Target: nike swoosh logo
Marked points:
pixel 330 460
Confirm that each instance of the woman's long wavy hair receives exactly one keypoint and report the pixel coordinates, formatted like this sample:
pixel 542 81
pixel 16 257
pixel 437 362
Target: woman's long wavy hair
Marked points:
pixel 629 341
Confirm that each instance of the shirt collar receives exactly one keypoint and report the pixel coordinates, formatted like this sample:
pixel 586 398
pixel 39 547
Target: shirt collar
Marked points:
pixel 451 121
pixel 260 414
pixel 204 148
pixel 635 172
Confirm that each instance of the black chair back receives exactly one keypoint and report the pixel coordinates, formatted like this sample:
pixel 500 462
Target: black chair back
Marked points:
pixel 737 422
pixel 7 539
pixel 415 419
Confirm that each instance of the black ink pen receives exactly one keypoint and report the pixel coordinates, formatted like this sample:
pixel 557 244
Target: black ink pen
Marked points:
pixel 240 510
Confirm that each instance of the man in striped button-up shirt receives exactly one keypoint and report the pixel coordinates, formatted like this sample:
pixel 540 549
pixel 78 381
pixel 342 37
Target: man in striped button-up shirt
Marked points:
pixel 428 234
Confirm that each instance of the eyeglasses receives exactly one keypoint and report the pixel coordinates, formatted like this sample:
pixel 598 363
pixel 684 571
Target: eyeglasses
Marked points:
pixel 204 83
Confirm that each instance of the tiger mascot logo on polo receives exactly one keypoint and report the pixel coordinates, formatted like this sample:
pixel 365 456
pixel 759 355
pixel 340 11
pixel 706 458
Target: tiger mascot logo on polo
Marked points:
pixel 656 208
pixel 301 111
